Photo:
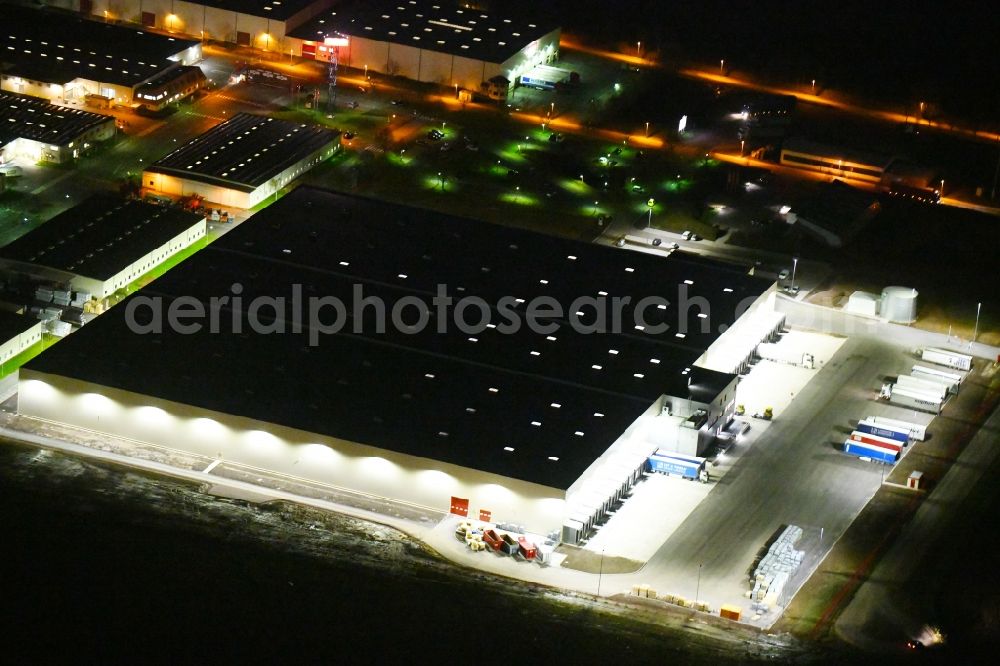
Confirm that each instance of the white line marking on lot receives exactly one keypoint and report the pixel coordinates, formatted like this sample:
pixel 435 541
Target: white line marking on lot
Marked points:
pixel 212 465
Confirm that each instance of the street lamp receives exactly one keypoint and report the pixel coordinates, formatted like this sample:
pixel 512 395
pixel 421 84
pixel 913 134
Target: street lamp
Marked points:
pixel 649 204
pixel 697 590
pixel 647 128
pixel 742 141
pixel 942 188
pixel 441 180
pixel 638 47
pixel 814 86
pixel 722 65
pixel 595 207
pixel 795 264
pixel 975 334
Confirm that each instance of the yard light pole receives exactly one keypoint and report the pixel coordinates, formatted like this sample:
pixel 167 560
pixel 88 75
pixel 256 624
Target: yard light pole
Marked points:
pixel 697 590
pixel 795 264
pixel 638 49
pixel 441 180
pixel 975 333
pixel 595 207
pixel 722 66
pixel 647 129
pixel 600 573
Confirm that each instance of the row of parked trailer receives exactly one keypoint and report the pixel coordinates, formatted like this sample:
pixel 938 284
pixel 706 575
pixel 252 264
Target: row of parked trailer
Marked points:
pixel 874 438
pixel 927 388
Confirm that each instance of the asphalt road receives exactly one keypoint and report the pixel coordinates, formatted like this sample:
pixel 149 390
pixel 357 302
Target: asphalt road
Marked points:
pixel 793 474
pixel 895 600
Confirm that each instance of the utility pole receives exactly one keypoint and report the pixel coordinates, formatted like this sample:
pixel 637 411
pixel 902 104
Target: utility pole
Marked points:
pixel 331 75
pixel 996 174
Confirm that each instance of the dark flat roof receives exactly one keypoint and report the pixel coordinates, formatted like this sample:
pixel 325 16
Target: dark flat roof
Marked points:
pixel 455 396
pixel 12 324
pixel 435 25
pixel 171 75
pixel 32 118
pixel 244 152
pixel 100 236
pixel 56 47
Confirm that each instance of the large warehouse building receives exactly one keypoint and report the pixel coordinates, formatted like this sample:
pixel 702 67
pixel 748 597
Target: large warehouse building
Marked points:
pixel 464 413
pixel 102 244
pixel 242 161
pixel 262 24
pixel 429 40
pixel 62 57
pixel 34 130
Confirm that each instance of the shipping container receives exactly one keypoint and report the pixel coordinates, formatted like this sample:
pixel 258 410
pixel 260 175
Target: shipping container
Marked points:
pixel 508 545
pixel 948 358
pixel 526 548
pixel 492 539
pixel 863 450
pixel 916 430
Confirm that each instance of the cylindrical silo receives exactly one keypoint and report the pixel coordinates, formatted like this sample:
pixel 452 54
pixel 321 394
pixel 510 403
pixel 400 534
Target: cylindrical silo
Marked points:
pixel 899 304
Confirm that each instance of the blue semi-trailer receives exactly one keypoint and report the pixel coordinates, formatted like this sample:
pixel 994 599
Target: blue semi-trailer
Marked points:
pixel 689 467
pixel 901 437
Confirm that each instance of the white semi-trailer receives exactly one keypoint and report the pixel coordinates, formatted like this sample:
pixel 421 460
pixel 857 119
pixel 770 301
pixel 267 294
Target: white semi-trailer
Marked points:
pixel 954 379
pixel 907 397
pixel 952 359
pixel 915 430
pixel 924 385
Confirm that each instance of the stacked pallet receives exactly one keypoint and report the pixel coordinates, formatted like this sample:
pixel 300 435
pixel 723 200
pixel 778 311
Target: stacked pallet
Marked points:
pixel 777 566
pixel 644 591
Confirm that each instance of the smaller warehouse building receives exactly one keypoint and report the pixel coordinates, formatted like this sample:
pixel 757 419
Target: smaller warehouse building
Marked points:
pixel 17 333
pixel 102 244
pixel 261 24
pixel 428 40
pixel 35 130
pixel 59 56
pixel 242 161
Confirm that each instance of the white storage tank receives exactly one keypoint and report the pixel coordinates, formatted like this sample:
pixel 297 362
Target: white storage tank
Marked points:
pixel 863 303
pixel 899 304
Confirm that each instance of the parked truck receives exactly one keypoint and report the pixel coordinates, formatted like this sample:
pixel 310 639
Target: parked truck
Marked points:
pixel 688 467
pixel 946 357
pixel 916 430
pixel 863 450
